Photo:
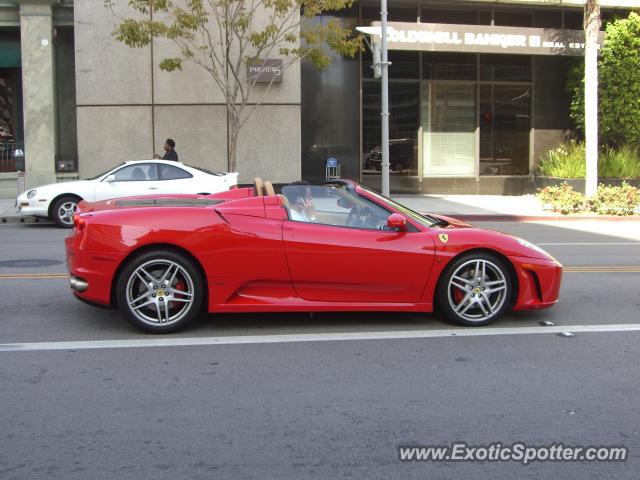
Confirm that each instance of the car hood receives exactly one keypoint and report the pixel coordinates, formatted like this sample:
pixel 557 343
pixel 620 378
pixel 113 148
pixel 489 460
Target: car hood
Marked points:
pixel 459 236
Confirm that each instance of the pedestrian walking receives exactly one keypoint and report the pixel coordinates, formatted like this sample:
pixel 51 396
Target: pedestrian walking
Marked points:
pixel 170 150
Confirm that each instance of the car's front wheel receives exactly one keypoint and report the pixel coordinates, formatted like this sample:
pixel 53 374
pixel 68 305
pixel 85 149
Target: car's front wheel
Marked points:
pixel 63 210
pixel 160 291
pixel 475 289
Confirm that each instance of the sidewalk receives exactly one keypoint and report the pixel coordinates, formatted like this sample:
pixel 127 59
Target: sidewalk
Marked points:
pixel 525 208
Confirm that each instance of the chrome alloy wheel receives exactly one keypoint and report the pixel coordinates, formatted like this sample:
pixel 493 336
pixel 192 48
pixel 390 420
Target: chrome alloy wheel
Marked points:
pixel 66 211
pixel 477 289
pixel 160 292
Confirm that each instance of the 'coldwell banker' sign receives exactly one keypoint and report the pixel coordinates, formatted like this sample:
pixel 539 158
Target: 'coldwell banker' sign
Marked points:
pixel 439 37
pixel 265 71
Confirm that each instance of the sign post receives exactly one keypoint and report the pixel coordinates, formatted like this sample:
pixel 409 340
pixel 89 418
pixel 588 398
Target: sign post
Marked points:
pixel 18 157
pixel 385 98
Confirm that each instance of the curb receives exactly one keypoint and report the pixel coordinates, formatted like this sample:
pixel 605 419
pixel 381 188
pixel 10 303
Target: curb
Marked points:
pixel 13 219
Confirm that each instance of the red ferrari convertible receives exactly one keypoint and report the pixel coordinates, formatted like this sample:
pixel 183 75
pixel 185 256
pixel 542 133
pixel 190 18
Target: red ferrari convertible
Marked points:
pixel 333 247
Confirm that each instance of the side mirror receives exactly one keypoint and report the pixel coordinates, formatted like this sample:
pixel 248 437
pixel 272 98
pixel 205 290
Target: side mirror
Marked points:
pixel 395 221
pixel 110 178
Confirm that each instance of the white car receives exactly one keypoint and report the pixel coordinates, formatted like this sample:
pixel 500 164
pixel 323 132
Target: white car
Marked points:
pixel 58 201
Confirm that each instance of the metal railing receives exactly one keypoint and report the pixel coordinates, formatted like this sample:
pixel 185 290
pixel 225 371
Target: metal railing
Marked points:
pixel 7 157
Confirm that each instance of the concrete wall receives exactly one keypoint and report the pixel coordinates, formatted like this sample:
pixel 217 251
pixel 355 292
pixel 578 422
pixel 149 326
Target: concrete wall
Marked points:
pixel 36 24
pixel 127 107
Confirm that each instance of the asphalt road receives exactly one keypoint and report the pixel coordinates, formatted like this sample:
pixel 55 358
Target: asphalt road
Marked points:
pixel 322 402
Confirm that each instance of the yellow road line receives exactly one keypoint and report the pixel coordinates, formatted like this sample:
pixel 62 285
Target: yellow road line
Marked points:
pixel 618 269
pixel 42 276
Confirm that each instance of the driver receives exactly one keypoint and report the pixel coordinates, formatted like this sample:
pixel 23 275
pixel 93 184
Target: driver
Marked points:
pixel 301 200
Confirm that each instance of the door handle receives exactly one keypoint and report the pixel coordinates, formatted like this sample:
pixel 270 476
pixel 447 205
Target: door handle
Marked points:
pixel 152 188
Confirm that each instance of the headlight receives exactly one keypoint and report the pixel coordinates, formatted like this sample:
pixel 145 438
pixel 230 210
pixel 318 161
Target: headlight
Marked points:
pixel 530 245
pixel 31 193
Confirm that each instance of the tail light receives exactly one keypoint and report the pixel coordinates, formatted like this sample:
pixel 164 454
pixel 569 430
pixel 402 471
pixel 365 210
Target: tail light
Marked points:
pixel 78 221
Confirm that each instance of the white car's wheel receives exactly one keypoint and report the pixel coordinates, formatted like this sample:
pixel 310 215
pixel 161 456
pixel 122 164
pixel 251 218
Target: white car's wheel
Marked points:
pixel 63 210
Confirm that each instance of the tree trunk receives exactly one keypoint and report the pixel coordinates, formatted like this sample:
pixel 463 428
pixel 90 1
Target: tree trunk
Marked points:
pixel 591 31
pixel 233 142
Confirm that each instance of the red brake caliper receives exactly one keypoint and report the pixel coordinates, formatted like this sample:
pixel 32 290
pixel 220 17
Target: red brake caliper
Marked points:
pixel 180 285
pixel 458 295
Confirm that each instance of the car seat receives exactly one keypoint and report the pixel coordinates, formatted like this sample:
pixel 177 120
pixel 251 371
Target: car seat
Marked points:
pixel 138 174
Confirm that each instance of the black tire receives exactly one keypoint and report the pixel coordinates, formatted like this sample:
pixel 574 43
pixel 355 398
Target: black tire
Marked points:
pixel 475 298
pixel 153 306
pixel 63 210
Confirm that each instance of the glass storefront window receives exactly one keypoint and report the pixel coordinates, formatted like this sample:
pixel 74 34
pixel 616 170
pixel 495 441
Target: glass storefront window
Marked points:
pixel 505 68
pixel 448 125
pixel 404 120
pixel 504 17
pixel 438 15
pixel 330 114
pixel 404 65
pixel 547 18
pixel 573 19
pixel 505 123
pixel 512 19
pixel 449 66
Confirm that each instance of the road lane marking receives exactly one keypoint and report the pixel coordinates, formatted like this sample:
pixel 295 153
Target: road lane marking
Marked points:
pixel 43 276
pixel 595 269
pixel 311 337
pixel 586 244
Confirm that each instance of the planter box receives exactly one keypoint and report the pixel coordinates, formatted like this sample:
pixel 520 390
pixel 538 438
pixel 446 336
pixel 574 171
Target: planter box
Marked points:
pixel 578 183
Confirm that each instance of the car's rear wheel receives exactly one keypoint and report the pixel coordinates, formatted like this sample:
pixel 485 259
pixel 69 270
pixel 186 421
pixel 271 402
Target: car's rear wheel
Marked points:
pixel 63 210
pixel 475 289
pixel 160 291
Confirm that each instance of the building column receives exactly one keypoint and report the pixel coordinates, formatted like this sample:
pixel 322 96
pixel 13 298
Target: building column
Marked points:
pixel 38 91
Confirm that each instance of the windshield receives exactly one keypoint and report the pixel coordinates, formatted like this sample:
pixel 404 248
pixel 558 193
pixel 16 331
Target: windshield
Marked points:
pixel 424 220
pixel 104 173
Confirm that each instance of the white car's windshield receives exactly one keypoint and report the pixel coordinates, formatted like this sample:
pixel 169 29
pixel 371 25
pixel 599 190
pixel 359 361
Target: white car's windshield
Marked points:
pixel 104 173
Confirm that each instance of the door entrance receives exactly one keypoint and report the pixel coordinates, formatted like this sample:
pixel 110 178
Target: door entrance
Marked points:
pixel 505 123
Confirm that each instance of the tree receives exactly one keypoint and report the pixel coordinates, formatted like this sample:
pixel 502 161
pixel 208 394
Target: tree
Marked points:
pixel 224 36
pixel 618 85
pixel 591 31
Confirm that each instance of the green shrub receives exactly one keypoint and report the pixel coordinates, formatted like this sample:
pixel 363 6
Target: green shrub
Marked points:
pixel 564 161
pixel 622 200
pixel 569 161
pixel 623 162
pixel 562 198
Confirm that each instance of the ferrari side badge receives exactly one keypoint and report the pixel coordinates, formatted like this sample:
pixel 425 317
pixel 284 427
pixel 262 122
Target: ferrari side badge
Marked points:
pixel 444 238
